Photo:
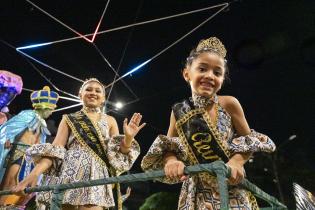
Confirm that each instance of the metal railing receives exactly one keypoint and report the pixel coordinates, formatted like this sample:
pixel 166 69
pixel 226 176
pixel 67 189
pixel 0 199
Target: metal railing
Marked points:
pixel 217 168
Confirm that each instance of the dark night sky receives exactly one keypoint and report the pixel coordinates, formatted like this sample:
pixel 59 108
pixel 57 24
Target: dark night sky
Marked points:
pixel 271 56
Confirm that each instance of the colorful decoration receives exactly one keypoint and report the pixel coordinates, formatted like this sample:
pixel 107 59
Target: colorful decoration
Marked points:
pixel 44 99
pixel 10 86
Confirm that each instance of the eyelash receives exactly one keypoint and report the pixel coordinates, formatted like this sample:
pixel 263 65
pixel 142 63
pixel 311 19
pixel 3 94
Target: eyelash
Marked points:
pixel 219 73
pixel 216 72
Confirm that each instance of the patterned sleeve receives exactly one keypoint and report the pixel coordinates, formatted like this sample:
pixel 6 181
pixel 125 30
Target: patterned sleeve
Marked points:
pixel 119 161
pixel 56 153
pixel 253 142
pixel 154 159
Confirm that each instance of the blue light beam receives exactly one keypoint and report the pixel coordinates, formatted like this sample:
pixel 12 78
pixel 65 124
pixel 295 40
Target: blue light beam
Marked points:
pixel 129 72
pixel 135 69
pixel 34 45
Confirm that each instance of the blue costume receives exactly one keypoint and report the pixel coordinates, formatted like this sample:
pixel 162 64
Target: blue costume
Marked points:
pixel 23 130
pixel 12 130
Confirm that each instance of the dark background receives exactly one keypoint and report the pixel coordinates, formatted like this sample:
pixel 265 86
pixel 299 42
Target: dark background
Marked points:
pixel 271 56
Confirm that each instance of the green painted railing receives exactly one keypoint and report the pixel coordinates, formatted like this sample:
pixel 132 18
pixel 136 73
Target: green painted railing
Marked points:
pixel 218 168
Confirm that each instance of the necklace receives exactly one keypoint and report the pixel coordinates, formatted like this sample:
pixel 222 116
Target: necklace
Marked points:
pixel 92 109
pixel 203 101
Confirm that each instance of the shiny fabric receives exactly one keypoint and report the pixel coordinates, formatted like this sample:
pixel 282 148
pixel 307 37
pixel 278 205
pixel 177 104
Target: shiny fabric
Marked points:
pixel 12 129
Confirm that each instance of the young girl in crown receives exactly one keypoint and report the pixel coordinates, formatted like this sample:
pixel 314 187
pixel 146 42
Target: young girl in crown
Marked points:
pixel 203 129
pixel 16 135
pixel 87 146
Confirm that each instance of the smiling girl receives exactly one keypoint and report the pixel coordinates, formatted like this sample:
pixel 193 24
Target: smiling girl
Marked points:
pixel 205 128
pixel 87 146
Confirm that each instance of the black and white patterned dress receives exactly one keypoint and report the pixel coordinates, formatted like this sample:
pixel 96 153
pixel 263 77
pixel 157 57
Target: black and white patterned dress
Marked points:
pixel 75 163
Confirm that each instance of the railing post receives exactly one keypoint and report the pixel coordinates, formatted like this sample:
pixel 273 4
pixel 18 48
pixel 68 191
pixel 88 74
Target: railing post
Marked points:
pixel 56 201
pixel 223 190
pixel 222 172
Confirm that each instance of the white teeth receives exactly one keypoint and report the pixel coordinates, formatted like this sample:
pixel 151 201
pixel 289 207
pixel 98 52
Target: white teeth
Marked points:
pixel 206 84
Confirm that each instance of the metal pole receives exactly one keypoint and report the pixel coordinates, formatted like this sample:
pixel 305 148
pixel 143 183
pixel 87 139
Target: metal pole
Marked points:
pixel 276 174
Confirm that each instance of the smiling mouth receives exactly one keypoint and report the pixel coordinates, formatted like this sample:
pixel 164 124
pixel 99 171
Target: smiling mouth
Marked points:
pixel 206 85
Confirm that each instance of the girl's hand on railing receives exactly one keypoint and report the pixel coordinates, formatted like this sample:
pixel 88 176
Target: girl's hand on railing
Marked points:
pixel 30 180
pixel 174 169
pixel 237 172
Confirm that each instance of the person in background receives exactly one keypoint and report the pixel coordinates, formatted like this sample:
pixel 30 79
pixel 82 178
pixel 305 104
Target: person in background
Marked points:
pixel 19 133
pixel 87 147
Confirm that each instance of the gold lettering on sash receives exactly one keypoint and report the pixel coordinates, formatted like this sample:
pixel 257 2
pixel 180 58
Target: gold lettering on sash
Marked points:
pixel 202 144
pixel 89 133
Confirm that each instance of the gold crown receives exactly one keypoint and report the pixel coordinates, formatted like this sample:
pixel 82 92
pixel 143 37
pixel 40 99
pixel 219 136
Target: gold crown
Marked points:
pixel 91 80
pixel 214 44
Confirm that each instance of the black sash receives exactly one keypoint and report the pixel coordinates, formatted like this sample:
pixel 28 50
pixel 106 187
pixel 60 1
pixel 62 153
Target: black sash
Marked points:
pixel 194 126
pixel 87 134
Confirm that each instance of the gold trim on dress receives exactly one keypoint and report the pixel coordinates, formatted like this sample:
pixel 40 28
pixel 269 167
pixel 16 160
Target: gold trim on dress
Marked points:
pixel 102 141
pixel 98 131
pixel 216 133
pixel 80 140
pixel 213 129
pixel 182 138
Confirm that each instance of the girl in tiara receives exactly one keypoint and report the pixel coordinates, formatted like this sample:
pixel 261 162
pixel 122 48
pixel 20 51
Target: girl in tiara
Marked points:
pixel 203 129
pixel 87 146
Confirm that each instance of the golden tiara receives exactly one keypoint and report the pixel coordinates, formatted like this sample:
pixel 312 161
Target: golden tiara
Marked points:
pixel 213 44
